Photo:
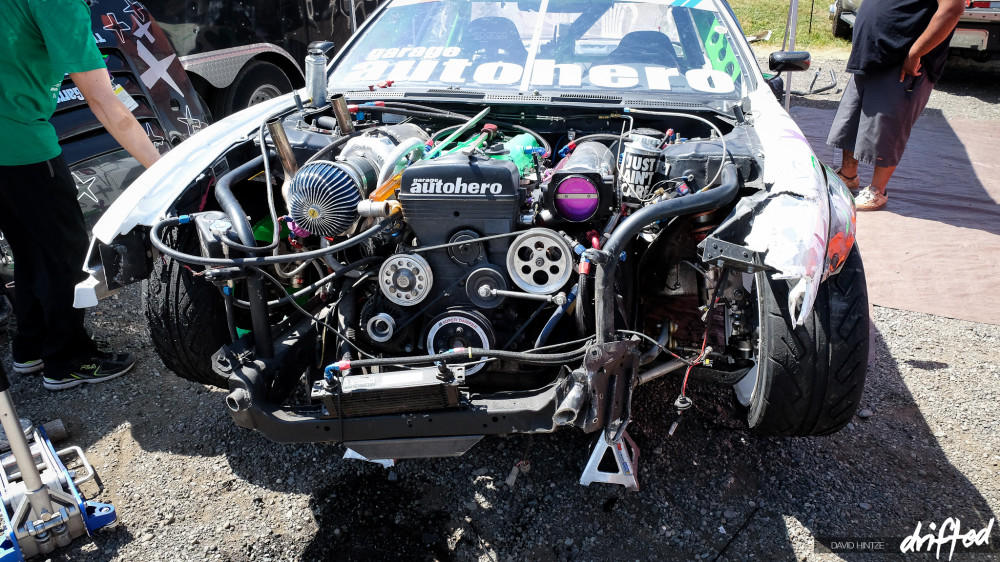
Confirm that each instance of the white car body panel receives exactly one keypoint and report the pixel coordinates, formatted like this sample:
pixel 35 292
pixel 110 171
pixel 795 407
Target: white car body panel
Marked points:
pixel 152 193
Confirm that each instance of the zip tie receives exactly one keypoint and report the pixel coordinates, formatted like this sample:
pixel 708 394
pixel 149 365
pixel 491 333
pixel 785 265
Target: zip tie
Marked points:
pixel 183 219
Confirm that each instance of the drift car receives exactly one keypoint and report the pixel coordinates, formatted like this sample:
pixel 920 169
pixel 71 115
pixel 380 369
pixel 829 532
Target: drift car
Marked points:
pixel 504 217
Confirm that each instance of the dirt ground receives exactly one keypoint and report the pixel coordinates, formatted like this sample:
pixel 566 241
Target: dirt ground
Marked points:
pixel 189 485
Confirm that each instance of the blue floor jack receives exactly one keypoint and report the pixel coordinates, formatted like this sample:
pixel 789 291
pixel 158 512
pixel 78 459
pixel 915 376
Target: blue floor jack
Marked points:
pixel 43 507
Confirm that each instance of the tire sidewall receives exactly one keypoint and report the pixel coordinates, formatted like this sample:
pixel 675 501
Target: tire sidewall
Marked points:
pixel 254 76
pixel 810 377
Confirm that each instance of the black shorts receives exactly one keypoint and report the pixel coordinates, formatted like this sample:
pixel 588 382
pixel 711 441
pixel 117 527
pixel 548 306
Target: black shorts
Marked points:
pixel 876 115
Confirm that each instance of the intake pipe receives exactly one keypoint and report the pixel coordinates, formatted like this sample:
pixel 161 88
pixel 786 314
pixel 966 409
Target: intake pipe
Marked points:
pixel 604 290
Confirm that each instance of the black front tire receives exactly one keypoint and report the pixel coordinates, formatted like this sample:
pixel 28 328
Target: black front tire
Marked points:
pixel 810 378
pixel 187 318
pixel 841 28
pixel 258 81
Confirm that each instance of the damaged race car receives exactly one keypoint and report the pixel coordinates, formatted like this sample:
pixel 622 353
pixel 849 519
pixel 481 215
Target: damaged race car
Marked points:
pixel 495 217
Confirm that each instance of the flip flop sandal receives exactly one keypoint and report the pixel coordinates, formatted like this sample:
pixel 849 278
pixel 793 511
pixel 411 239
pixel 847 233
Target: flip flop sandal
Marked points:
pixel 850 182
pixel 870 199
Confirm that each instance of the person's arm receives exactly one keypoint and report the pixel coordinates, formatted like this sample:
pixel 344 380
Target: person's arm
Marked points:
pixel 945 19
pixel 116 118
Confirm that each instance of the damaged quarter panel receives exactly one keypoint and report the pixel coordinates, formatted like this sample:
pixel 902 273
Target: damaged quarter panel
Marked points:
pixel 793 226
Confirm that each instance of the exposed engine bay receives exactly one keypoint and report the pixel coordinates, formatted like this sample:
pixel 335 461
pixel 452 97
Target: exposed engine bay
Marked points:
pixel 494 272
pixel 487 234
pixel 490 218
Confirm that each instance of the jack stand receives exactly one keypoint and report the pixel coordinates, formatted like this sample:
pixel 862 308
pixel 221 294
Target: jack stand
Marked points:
pixel 626 456
pixel 43 507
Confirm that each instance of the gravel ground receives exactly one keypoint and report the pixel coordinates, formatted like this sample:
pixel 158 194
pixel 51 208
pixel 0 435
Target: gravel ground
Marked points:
pixel 189 485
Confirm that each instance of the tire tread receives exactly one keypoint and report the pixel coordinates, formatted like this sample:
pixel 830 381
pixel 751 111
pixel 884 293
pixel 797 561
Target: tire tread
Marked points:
pixel 813 378
pixel 186 321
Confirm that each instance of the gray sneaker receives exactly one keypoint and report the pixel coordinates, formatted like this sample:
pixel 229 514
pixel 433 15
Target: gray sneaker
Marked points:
pixel 28 367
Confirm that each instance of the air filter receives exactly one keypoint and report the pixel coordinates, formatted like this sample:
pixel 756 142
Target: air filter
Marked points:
pixel 323 198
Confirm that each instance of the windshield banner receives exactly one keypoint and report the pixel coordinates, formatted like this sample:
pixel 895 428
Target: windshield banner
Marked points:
pixel 441 65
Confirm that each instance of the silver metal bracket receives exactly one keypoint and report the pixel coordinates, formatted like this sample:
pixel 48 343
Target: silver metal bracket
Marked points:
pixel 626 457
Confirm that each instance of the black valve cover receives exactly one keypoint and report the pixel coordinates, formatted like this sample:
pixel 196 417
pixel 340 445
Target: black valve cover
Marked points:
pixel 443 196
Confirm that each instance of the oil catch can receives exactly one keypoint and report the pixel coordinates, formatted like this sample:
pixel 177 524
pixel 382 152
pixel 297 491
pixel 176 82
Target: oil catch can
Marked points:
pixel 638 165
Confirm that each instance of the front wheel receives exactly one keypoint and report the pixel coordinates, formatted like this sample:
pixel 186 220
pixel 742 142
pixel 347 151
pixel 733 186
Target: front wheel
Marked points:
pixel 809 379
pixel 841 28
pixel 187 318
pixel 258 81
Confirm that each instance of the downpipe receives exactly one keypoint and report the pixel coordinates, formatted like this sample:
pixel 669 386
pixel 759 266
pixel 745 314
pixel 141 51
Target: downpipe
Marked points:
pixel 569 408
pixel 257 296
pixel 607 259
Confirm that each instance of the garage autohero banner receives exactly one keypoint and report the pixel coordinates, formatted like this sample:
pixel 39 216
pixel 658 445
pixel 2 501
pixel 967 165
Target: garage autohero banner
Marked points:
pixel 942 541
pixel 443 67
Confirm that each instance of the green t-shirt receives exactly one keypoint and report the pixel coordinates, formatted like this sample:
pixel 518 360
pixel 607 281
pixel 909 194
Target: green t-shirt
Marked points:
pixel 41 41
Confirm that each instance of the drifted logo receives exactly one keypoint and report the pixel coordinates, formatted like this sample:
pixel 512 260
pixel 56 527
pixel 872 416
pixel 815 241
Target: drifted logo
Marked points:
pixel 69 94
pixel 949 533
pixel 436 186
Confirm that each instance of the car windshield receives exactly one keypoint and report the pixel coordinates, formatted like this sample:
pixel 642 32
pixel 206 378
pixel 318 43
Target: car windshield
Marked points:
pixel 561 47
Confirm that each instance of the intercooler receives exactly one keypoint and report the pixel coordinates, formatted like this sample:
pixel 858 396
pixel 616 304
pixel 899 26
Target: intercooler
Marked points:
pixel 396 392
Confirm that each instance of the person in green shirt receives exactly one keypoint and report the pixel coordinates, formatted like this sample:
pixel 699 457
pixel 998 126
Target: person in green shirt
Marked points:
pixel 42 41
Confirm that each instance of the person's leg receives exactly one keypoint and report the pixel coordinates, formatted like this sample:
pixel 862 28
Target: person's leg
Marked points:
pixel 888 121
pixel 881 177
pixel 16 224
pixel 848 170
pixel 54 251
pixel 844 130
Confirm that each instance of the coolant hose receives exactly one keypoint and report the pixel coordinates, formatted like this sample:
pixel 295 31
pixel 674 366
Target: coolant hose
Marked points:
pixel 556 316
pixel 604 289
pixel 580 314
pixel 231 206
pixel 256 293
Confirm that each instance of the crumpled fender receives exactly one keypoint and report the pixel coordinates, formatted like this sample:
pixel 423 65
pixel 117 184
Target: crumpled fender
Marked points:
pixel 152 193
pixel 805 225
